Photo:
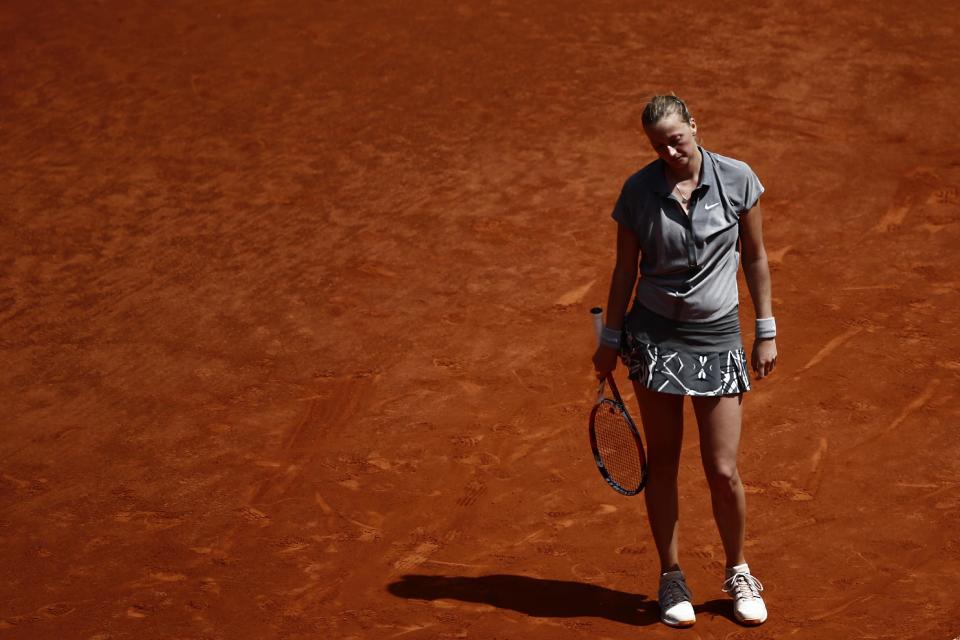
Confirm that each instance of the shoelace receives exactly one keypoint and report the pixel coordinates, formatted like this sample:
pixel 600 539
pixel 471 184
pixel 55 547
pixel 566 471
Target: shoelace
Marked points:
pixel 672 592
pixel 743 585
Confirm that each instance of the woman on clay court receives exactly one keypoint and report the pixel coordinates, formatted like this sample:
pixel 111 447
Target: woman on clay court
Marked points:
pixel 683 220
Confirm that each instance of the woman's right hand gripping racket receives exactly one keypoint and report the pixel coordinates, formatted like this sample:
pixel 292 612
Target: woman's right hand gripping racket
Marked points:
pixel 614 439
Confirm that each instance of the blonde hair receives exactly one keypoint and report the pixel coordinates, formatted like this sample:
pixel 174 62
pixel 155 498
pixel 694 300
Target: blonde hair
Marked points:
pixel 662 106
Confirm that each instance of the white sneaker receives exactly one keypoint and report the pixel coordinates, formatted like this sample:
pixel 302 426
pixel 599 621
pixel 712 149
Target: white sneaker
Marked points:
pixel 748 606
pixel 676 610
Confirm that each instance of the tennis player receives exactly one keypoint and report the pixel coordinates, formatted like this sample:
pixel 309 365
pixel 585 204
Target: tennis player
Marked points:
pixel 683 222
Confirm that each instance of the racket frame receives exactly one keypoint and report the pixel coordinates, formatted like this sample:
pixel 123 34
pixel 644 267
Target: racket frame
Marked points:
pixel 596 314
pixel 617 404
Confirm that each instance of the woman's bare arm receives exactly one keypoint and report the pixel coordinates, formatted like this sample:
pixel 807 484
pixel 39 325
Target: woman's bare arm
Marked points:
pixel 621 287
pixel 624 276
pixel 756 271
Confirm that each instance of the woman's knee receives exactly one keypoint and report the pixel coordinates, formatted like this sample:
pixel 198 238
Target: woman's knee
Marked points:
pixel 663 465
pixel 723 478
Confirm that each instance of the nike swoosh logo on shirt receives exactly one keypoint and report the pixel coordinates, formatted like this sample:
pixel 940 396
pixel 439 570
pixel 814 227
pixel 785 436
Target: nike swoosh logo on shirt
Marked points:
pixel 711 206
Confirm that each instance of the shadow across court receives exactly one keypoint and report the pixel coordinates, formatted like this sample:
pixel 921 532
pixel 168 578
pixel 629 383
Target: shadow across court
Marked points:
pixel 535 597
pixel 720 608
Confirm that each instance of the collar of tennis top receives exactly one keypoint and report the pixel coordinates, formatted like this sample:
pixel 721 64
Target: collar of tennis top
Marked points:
pixel 707 179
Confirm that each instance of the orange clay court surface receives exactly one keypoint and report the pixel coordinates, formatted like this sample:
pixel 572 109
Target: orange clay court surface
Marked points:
pixel 294 317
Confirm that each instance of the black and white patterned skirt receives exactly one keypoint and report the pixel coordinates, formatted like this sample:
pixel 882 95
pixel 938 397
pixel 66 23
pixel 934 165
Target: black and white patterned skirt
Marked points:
pixel 684 358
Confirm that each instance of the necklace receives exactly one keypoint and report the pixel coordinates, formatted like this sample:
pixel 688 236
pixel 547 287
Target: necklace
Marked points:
pixel 683 198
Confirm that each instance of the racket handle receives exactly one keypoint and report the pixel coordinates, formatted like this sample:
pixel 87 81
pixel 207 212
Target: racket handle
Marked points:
pixel 597 314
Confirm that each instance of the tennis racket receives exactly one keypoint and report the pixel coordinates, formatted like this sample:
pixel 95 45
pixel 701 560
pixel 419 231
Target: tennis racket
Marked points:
pixel 614 439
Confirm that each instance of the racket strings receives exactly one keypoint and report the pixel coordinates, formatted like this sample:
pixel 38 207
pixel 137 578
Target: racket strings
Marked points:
pixel 617 447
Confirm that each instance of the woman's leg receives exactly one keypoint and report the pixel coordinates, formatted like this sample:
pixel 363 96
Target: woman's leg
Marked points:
pixel 662 416
pixel 718 419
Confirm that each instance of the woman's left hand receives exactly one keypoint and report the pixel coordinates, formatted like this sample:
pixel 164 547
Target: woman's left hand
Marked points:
pixel 764 357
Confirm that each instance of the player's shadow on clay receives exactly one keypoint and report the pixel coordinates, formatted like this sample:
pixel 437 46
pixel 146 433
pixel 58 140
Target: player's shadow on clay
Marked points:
pixel 533 596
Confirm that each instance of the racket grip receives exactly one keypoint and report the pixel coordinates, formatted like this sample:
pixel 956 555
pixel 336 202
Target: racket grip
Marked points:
pixel 597 314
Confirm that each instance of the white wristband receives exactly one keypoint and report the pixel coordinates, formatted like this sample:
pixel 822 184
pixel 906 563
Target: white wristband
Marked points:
pixel 766 328
pixel 610 338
